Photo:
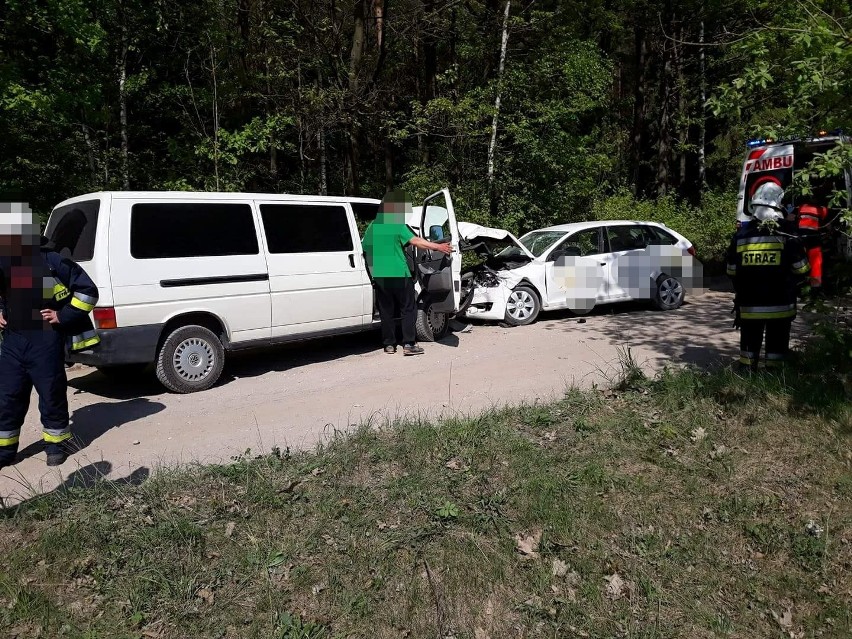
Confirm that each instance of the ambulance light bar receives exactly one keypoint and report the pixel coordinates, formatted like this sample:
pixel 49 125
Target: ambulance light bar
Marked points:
pixel 759 142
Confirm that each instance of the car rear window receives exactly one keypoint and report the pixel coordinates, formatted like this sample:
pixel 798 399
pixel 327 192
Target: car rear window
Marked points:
pixel 177 229
pixel 72 229
pixel 306 228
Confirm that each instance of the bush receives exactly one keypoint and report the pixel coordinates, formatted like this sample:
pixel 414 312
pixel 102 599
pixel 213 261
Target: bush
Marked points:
pixel 709 227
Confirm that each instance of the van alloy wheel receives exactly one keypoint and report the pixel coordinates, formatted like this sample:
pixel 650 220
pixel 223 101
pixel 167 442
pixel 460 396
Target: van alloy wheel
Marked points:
pixel 193 359
pixel 190 359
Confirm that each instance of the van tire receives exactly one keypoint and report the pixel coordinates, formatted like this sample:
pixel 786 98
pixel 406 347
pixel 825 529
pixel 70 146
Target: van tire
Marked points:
pixel 182 356
pixel 431 327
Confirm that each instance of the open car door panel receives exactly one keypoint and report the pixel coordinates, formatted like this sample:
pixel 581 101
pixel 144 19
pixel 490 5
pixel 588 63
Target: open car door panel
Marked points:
pixel 440 275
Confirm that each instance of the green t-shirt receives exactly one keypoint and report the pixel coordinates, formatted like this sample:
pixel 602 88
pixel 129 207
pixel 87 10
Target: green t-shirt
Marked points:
pixel 383 245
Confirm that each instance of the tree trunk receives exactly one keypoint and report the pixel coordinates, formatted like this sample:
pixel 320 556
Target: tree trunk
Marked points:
pixel 430 72
pixel 122 100
pixel 323 163
pixel 493 143
pixel 664 145
pixel 702 122
pixel 356 54
pixel 641 55
pixel 388 165
pixel 215 114
pixel 90 152
pixel 683 120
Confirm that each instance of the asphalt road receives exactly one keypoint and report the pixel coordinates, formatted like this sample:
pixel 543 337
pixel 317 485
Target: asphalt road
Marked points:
pixel 296 395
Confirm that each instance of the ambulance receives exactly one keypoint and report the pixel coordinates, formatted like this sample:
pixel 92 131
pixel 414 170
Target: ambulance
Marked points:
pixel 777 161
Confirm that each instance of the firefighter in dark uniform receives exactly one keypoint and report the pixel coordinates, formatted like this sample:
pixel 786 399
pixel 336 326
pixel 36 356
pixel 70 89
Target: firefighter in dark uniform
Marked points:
pixel 45 301
pixel 767 264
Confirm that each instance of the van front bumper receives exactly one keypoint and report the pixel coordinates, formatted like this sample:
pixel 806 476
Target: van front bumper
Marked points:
pixel 129 345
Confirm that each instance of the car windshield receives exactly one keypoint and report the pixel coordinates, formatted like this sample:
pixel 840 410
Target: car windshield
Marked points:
pixel 537 242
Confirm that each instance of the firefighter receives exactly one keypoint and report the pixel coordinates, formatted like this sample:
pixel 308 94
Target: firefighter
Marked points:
pixel 45 301
pixel 766 264
pixel 811 218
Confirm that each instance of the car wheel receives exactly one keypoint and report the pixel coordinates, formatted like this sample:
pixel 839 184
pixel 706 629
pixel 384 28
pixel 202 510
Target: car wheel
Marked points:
pixel 191 359
pixel 123 372
pixel 522 307
pixel 669 294
pixel 431 326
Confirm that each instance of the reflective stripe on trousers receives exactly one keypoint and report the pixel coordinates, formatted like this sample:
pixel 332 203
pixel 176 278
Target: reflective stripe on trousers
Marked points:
pixel 55 436
pixel 10 437
pixel 780 311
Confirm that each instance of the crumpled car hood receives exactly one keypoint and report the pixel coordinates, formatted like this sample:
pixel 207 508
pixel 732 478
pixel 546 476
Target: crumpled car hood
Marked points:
pixel 471 232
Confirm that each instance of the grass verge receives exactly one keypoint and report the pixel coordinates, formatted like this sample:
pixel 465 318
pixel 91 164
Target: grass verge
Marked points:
pixel 697 504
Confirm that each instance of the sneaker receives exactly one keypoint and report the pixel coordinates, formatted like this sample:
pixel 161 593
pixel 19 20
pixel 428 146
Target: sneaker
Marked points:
pixel 412 349
pixel 56 459
pixel 390 350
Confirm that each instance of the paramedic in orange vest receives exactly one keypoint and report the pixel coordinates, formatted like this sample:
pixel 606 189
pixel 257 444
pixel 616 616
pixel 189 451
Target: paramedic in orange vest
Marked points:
pixel 811 220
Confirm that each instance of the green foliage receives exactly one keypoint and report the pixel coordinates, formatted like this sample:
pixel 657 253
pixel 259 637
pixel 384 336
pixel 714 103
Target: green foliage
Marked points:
pixel 709 226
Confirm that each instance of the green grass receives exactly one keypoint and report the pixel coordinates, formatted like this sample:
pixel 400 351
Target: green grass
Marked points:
pixel 721 502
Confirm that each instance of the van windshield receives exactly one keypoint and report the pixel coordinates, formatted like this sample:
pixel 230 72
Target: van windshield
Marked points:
pixel 71 230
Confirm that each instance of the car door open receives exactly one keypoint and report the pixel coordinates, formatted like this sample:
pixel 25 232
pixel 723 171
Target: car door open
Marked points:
pixel 439 275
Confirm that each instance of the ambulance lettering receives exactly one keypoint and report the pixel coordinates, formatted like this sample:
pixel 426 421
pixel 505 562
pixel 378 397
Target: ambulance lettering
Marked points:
pixel 770 164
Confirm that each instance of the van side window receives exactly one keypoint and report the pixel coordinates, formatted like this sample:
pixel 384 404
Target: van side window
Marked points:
pixel 72 230
pixel 302 228
pixel 178 229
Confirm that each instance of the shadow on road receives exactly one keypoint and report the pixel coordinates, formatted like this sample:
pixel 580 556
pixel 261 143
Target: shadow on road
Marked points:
pixel 88 423
pixel 85 477
pixel 248 363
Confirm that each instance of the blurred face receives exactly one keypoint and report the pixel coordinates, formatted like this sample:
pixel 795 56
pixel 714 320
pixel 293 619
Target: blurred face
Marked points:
pixel 18 229
pixel 396 207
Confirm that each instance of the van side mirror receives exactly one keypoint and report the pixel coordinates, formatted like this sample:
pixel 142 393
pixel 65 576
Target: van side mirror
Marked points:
pixel 436 233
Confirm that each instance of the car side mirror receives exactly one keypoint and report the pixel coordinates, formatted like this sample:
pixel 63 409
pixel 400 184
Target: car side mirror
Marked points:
pixel 436 233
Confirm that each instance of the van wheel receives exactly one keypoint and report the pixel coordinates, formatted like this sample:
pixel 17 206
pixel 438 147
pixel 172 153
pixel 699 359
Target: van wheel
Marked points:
pixel 431 326
pixel 191 359
pixel 669 294
pixel 522 307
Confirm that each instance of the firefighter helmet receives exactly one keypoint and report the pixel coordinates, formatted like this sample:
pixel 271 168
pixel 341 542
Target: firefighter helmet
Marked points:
pixel 766 202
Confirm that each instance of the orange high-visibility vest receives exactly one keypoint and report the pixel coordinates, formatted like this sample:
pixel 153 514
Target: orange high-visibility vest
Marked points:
pixel 811 217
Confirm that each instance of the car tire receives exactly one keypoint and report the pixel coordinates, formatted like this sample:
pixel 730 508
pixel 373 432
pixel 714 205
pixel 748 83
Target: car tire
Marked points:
pixel 522 307
pixel 191 359
pixel 123 372
pixel 669 293
pixel 431 326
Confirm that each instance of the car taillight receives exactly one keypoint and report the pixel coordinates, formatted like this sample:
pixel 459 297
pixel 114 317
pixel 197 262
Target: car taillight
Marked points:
pixel 105 317
pixel 691 250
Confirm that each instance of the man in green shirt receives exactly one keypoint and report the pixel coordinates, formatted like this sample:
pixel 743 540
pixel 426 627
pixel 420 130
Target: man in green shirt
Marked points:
pixel 384 246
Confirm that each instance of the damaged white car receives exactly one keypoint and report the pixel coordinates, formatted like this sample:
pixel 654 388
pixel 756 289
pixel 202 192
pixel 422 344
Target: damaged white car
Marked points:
pixel 574 266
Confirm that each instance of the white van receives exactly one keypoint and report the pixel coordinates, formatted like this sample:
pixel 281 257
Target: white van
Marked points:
pixel 185 276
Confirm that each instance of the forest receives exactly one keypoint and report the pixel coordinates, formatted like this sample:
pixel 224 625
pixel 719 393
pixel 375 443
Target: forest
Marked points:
pixel 531 111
